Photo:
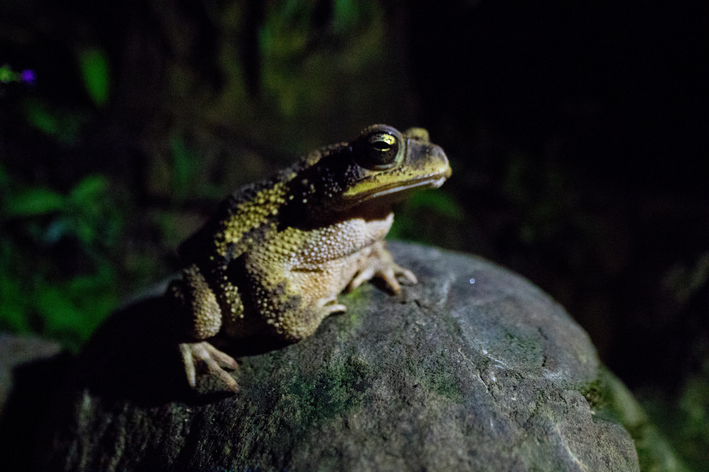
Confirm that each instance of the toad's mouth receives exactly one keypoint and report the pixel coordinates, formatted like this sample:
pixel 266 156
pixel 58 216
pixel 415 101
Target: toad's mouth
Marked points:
pixel 398 190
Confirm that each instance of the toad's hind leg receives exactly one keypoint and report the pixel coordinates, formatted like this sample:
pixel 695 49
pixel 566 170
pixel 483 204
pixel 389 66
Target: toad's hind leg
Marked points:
pixel 200 316
pixel 215 360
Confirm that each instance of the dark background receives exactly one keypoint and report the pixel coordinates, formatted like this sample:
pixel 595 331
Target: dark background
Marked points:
pixel 577 131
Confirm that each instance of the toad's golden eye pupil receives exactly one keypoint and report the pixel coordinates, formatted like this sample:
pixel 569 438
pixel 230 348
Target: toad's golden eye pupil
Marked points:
pixel 381 146
pixel 383 142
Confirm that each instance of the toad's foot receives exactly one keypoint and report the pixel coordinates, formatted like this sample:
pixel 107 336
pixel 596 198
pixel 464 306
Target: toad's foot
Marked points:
pixel 329 306
pixel 215 360
pixel 380 264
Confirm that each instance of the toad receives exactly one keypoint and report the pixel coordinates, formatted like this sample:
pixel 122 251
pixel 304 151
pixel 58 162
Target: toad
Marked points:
pixel 276 254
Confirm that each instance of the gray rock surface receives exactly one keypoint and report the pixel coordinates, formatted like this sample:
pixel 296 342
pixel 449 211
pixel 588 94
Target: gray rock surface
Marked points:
pixel 474 368
pixel 16 351
pixel 30 369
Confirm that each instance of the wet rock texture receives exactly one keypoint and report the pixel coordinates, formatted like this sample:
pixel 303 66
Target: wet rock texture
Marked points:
pixel 474 368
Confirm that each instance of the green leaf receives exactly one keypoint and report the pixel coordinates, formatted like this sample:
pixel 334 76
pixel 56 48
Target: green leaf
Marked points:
pixel 58 312
pixel 33 202
pixel 13 305
pixel 63 125
pixel 345 13
pixel 89 190
pixel 93 64
pixel 85 231
pixel 7 74
pixel 39 116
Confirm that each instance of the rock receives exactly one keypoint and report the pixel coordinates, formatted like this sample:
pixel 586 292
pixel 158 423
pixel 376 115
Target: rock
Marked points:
pixel 474 368
pixel 16 351
pixel 30 370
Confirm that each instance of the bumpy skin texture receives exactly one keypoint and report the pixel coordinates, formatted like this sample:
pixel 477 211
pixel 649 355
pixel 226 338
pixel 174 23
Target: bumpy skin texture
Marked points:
pixel 276 254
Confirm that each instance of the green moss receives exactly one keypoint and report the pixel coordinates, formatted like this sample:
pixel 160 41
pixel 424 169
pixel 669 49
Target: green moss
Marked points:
pixel 446 386
pixel 593 393
pixel 610 400
pixel 522 346
pixel 356 303
pixel 296 403
pixel 438 378
pixel 330 394
pixel 300 400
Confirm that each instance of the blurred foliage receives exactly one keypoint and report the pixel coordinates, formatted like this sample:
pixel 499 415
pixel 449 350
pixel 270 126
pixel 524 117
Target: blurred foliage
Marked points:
pixel 684 282
pixel 423 216
pixel 545 199
pixel 7 75
pixel 95 72
pixel 57 277
pixel 185 164
pixel 684 420
pixel 61 124
pixel 303 59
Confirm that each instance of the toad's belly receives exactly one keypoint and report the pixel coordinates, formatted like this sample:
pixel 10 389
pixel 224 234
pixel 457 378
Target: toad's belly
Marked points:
pixel 329 279
pixel 299 297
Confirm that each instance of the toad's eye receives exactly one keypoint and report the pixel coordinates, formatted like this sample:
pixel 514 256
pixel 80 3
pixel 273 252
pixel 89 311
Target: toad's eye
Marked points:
pixel 380 151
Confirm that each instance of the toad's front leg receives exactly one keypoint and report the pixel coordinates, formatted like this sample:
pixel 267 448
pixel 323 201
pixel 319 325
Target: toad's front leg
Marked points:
pixel 380 264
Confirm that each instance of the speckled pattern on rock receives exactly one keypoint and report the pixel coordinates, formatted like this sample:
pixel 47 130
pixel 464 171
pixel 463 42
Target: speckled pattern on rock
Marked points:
pixel 474 368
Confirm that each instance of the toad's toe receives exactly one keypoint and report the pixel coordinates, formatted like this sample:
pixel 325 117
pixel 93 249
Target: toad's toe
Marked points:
pixel 211 357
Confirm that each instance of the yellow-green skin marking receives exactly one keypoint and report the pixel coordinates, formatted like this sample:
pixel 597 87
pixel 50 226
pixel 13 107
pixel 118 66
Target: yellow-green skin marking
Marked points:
pixel 276 254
